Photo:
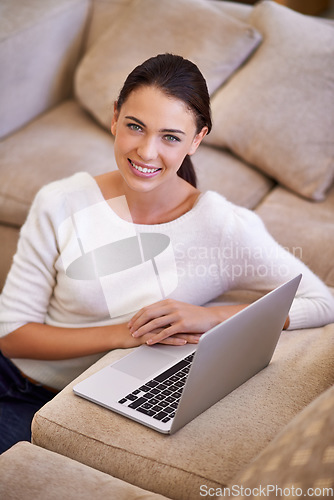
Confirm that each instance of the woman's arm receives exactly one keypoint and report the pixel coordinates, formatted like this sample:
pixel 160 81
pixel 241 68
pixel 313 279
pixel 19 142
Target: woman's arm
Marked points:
pixel 40 341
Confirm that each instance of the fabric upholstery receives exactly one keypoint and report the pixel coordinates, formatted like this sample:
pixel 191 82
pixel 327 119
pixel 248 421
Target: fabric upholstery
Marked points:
pixel 31 473
pixel 301 456
pixel 277 112
pixel 104 13
pixel 309 233
pixel 53 146
pixel 227 436
pixel 8 237
pixel 40 45
pixel 223 172
pixel 134 38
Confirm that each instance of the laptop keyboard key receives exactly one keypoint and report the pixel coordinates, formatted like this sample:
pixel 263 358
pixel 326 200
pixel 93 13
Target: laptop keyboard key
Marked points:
pixel 137 403
pixel 149 413
pixel 161 415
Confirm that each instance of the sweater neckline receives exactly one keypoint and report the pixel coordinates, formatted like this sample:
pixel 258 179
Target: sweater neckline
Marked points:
pixel 192 212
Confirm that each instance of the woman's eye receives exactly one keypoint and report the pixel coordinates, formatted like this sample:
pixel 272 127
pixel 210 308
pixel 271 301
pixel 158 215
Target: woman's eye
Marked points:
pixel 172 138
pixel 134 126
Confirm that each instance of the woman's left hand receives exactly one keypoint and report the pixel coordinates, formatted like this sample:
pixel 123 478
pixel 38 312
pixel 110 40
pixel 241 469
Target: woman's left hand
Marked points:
pixel 184 322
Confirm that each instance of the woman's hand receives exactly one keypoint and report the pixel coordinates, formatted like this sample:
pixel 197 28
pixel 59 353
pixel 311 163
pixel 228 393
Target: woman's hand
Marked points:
pixel 172 322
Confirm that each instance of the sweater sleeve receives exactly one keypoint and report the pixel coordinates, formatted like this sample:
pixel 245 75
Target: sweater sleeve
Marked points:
pixel 29 285
pixel 260 263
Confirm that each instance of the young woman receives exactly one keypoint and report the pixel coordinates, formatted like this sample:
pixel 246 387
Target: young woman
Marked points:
pixel 77 289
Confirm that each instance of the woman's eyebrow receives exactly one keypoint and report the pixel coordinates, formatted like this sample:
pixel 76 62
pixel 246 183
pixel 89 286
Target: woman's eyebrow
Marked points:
pixel 172 131
pixel 136 120
pixel 164 130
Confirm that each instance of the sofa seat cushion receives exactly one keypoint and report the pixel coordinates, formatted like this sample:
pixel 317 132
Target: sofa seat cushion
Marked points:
pixel 55 145
pixel 212 448
pixel 300 457
pixel 219 170
pixel 309 233
pixel 30 472
pixel 135 37
pixel 277 111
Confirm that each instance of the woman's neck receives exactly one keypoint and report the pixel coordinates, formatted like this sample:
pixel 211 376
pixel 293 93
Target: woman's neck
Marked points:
pixel 158 206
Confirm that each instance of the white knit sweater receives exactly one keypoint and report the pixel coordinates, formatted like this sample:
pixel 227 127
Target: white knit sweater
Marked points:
pixel 213 248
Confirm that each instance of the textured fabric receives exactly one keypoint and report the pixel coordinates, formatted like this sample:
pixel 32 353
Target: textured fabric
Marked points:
pixel 212 448
pixel 277 112
pixel 215 247
pixel 310 231
pixel 8 237
pixel 223 172
pixel 55 145
pixel 40 45
pixel 30 473
pixel 157 27
pixel 301 456
pixel 104 14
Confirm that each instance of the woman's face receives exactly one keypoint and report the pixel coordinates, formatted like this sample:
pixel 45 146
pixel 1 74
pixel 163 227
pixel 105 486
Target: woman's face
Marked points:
pixel 153 133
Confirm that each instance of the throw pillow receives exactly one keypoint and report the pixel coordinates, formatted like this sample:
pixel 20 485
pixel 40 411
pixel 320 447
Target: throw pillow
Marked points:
pixel 299 462
pixel 277 112
pixel 195 29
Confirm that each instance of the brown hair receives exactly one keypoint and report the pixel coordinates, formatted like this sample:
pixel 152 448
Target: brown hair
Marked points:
pixel 179 78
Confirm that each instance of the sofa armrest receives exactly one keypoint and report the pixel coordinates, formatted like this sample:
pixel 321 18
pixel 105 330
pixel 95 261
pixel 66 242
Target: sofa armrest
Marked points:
pixel 40 45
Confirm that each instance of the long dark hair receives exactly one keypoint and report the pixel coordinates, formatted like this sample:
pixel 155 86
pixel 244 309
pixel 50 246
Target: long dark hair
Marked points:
pixel 179 78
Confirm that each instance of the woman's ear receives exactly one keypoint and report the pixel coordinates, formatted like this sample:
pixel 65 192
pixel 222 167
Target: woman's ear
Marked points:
pixel 197 140
pixel 114 119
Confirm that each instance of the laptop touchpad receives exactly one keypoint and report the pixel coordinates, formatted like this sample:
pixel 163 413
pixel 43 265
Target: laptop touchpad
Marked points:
pixel 144 363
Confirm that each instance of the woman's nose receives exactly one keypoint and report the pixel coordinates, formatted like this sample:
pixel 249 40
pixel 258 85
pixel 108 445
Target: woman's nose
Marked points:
pixel 147 149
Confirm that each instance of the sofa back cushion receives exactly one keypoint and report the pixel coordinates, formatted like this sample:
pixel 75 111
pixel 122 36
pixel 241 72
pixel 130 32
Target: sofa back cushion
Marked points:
pixel 40 45
pixel 277 112
pixel 196 29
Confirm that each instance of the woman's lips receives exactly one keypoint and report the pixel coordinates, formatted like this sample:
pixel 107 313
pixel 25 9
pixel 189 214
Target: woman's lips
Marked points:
pixel 143 171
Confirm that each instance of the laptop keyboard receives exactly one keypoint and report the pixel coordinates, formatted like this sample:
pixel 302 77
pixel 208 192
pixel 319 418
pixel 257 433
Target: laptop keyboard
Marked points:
pixel 160 397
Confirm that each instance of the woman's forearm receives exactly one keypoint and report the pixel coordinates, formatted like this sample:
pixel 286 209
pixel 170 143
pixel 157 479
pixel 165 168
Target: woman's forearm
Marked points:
pixel 40 341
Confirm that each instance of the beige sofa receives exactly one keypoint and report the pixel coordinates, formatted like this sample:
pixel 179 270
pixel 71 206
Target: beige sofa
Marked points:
pixel 270 74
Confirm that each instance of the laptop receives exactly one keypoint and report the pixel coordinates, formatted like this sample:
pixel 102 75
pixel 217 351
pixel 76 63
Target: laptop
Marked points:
pixel 165 387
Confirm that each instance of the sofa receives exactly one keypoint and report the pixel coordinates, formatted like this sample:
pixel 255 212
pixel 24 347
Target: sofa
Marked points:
pixel 270 74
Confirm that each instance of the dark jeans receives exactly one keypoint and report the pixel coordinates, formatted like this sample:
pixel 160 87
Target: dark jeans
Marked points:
pixel 19 401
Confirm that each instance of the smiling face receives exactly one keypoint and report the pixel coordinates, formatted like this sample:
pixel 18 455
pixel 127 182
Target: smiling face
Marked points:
pixel 153 134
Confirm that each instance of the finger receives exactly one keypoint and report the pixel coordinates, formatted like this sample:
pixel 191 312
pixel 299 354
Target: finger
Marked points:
pixel 179 340
pixel 171 331
pixel 141 311
pixel 173 341
pixel 148 313
pixel 190 337
pixel 155 324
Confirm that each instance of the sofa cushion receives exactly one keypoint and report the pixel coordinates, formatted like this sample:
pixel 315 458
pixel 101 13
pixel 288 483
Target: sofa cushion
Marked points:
pixel 9 237
pixel 221 171
pixel 213 447
pixel 30 473
pixel 301 456
pixel 55 145
pixel 309 234
pixel 277 112
pixel 104 13
pixel 215 41
pixel 40 45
